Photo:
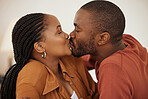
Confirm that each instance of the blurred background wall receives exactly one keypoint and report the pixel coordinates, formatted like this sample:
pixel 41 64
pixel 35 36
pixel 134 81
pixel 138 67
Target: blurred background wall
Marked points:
pixel 11 10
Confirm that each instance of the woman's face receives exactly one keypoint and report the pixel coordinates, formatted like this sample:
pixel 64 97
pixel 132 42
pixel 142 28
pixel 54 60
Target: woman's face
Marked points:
pixel 56 41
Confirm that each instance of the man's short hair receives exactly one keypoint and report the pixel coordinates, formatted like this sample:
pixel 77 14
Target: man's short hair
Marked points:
pixel 106 17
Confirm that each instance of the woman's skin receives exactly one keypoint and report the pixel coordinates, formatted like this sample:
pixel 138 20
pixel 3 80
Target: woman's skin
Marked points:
pixel 56 44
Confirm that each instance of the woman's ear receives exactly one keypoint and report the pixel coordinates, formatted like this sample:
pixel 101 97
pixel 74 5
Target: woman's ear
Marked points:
pixel 103 38
pixel 39 47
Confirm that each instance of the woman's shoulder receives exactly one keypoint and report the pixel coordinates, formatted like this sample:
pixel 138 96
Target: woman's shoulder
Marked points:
pixel 32 78
pixel 34 67
pixel 33 72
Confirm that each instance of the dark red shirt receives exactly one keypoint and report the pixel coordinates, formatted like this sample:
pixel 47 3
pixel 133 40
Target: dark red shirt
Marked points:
pixel 124 74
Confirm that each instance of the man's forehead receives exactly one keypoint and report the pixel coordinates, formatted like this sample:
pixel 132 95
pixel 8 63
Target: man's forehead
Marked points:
pixel 82 17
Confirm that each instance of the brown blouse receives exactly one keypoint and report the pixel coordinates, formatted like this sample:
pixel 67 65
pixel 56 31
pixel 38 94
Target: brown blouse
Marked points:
pixel 37 81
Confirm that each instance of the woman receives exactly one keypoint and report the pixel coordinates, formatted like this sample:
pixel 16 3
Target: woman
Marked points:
pixel 43 69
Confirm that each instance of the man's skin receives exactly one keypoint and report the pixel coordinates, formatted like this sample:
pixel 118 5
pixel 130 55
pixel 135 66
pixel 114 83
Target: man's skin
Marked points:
pixel 85 40
pixel 120 61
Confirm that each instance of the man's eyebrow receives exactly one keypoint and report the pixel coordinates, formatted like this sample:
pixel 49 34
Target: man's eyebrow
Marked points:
pixel 76 25
pixel 58 26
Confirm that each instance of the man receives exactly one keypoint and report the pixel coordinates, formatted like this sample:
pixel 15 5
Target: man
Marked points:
pixel 120 61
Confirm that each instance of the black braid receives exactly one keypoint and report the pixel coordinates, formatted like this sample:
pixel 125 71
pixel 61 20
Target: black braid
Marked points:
pixel 26 32
pixel 20 27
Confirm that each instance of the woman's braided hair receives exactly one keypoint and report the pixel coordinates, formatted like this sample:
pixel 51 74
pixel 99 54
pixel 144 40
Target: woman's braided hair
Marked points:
pixel 25 33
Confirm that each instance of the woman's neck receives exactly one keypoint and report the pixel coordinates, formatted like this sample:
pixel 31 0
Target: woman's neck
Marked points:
pixel 52 63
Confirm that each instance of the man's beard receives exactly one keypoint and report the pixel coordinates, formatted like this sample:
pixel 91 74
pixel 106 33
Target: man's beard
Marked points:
pixel 84 48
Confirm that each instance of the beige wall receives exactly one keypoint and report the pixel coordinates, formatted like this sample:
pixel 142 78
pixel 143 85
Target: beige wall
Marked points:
pixel 134 10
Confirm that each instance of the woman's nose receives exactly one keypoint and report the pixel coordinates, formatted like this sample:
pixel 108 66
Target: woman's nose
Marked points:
pixel 66 35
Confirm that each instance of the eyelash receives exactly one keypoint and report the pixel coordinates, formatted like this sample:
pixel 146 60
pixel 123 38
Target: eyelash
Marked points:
pixel 59 32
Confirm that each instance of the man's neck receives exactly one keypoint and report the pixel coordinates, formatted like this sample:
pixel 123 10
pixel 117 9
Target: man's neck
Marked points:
pixel 108 50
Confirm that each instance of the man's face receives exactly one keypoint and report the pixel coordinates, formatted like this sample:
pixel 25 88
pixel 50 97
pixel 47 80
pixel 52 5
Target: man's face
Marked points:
pixel 82 37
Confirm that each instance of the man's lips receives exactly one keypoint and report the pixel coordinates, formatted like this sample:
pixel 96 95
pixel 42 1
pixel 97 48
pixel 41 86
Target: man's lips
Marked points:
pixel 71 44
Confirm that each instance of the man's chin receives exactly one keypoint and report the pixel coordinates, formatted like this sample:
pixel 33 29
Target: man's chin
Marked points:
pixel 76 54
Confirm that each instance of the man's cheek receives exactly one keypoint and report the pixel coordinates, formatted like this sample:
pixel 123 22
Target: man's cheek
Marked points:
pixel 78 43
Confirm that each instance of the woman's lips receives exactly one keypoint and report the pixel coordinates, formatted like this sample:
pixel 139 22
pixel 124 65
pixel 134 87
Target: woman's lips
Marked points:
pixel 71 45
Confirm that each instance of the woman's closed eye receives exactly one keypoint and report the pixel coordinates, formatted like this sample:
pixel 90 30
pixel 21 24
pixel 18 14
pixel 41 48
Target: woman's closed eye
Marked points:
pixel 60 32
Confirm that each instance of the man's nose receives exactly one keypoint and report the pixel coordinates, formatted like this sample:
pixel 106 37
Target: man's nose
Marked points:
pixel 72 35
pixel 65 35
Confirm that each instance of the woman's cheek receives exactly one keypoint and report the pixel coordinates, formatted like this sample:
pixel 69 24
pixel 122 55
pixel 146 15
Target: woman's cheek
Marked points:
pixel 57 46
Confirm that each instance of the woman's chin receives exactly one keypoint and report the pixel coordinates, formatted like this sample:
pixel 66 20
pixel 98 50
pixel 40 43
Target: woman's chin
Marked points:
pixel 69 52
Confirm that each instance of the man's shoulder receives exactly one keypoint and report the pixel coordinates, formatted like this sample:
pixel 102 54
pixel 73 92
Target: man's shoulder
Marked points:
pixel 115 58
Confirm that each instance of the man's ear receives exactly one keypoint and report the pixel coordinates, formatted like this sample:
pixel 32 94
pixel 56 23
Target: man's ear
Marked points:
pixel 39 47
pixel 103 38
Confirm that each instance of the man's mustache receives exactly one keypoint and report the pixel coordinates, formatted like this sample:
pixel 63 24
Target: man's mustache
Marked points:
pixel 71 42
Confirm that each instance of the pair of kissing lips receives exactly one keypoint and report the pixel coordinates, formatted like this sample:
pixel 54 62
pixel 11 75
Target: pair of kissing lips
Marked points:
pixel 71 43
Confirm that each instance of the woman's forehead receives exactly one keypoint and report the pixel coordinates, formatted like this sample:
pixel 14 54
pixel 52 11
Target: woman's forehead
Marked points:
pixel 51 19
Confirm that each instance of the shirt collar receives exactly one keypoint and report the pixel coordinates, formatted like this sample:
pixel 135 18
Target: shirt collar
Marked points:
pixel 63 66
pixel 52 82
